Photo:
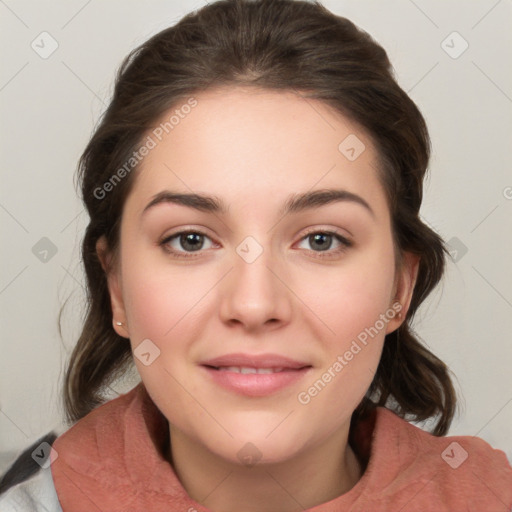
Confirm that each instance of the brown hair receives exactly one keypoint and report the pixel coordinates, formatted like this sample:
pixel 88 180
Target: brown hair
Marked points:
pixel 288 45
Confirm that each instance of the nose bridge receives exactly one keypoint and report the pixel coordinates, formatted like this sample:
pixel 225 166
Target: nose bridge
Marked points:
pixel 252 294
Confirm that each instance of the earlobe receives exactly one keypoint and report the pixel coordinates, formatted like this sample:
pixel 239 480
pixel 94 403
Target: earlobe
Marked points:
pixel 114 287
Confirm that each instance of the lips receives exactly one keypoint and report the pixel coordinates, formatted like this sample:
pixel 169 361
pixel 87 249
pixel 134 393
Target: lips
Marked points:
pixel 248 370
pixel 259 361
pixel 254 375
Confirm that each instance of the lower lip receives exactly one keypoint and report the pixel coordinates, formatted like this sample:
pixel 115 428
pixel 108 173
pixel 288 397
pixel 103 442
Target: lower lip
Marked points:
pixel 255 384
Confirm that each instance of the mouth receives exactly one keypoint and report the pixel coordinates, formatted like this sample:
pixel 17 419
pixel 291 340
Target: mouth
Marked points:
pixel 254 375
pixel 246 370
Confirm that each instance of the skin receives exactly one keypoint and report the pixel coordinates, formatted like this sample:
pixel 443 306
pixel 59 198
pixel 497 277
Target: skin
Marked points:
pixel 253 149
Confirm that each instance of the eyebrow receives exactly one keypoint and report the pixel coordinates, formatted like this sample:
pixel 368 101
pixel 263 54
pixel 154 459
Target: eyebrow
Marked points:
pixel 296 203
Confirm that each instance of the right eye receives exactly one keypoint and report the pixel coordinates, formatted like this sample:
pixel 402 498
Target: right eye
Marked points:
pixel 183 242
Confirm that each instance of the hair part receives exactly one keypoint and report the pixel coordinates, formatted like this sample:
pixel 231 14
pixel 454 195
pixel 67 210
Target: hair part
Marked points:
pixel 280 45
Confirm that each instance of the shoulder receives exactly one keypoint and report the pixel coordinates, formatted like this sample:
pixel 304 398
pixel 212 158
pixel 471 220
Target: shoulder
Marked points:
pixel 28 483
pixel 457 470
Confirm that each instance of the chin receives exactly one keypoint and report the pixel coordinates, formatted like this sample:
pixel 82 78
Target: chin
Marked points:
pixel 260 443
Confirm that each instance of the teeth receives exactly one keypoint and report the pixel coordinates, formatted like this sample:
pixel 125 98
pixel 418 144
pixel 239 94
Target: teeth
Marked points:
pixel 246 370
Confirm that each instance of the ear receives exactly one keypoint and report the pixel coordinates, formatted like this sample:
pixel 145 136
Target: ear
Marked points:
pixel 114 287
pixel 405 281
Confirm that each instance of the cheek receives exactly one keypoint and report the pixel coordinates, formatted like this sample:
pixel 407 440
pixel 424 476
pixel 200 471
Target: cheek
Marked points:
pixel 161 300
pixel 154 303
pixel 354 306
pixel 352 297
pixel 164 305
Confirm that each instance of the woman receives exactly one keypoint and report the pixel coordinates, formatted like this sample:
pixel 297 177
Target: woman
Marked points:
pixel 255 247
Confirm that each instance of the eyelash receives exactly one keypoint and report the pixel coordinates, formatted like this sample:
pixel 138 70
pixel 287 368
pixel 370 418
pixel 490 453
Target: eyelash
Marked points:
pixel 345 244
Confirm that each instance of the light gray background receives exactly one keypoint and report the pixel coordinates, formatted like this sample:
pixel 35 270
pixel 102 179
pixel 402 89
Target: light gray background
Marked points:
pixel 49 107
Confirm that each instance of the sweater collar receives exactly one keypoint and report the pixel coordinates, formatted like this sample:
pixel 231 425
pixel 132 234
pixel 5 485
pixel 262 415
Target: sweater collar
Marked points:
pixel 112 459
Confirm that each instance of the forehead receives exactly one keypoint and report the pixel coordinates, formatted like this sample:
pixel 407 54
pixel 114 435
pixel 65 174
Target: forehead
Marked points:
pixel 239 142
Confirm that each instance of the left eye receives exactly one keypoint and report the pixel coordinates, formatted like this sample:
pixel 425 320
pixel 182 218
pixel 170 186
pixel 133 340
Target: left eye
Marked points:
pixel 321 241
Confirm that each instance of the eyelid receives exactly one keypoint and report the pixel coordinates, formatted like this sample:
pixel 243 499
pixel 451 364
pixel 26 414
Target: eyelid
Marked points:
pixel 330 231
pixel 183 230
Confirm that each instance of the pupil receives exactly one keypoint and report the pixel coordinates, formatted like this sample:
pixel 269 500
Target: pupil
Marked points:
pixel 192 241
pixel 317 238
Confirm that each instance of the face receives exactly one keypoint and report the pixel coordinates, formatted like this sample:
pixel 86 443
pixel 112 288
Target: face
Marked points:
pixel 238 283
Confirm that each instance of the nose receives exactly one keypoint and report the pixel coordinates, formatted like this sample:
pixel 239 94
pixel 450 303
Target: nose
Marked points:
pixel 255 295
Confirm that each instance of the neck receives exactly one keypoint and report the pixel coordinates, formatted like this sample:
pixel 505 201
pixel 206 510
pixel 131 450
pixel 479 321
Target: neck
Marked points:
pixel 316 475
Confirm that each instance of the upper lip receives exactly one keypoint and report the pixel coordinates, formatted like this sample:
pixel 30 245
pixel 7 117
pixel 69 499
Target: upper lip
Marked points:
pixel 255 361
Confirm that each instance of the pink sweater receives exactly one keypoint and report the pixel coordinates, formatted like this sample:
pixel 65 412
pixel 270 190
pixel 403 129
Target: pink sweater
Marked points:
pixel 111 460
